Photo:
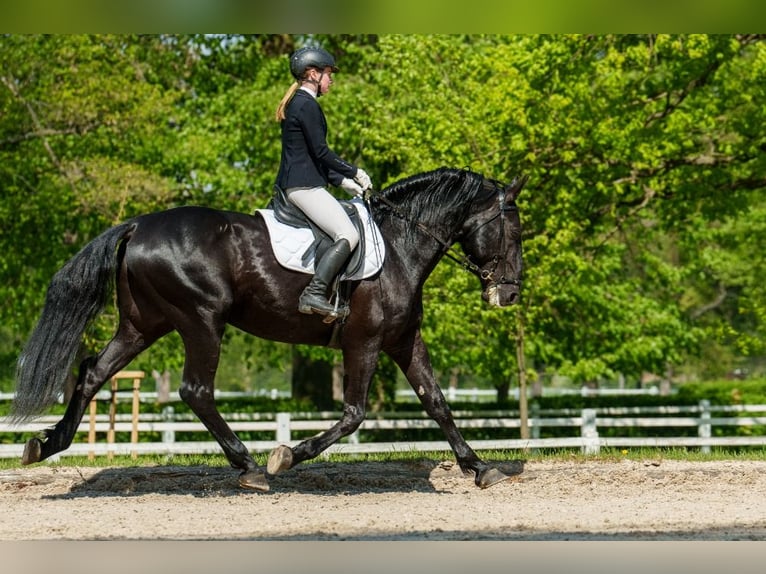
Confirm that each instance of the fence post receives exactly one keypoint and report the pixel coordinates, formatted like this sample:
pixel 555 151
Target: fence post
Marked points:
pixel 589 432
pixel 534 422
pixel 168 435
pixel 134 415
pixel 110 435
pixel 92 429
pixel 112 418
pixel 283 428
pixel 704 430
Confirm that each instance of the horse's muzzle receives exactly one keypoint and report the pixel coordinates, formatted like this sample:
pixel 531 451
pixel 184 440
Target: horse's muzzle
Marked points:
pixel 501 294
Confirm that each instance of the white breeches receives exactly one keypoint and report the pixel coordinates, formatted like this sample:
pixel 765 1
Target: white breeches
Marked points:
pixel 323 209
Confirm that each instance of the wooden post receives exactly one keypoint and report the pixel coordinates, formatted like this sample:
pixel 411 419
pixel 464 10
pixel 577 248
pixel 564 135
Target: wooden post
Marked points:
pixel 92 429
pixel 134 416
pixel 112 417
pixel 136 376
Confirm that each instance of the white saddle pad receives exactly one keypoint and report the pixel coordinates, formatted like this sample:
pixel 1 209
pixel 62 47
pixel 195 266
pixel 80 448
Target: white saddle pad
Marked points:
pixel 290 243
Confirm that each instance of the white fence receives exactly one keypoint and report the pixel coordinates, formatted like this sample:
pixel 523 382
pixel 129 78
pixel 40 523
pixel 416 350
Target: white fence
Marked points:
pixel 479 395
pixel 473 395
pixel 584 426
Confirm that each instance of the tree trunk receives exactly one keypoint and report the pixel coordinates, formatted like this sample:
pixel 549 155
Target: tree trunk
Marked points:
pixel 337 381
pixel 383 389
pixel 162 385
pixel 523 407
pixel 313 381
pixel 503 390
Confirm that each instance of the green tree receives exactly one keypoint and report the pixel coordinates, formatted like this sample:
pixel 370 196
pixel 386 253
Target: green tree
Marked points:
pixel 629 145
pixel 643 214
pixel 82 127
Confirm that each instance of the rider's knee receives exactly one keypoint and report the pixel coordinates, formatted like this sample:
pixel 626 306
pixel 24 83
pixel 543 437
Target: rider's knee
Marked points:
pixel 351 235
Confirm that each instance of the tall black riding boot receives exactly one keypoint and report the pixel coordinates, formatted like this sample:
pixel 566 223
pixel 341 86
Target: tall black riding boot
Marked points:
pixel 314 296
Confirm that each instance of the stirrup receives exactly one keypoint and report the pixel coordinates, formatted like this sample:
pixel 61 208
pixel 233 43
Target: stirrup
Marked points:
pixel 340 313
pixel 333 313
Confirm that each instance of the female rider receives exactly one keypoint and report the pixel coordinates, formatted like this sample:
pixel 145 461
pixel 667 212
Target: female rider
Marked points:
pixel 307 166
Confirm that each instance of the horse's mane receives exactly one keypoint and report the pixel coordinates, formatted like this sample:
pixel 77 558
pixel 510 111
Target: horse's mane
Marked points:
pixel 444 192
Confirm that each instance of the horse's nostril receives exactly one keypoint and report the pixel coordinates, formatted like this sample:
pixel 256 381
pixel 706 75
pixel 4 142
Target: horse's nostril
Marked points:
pixel 507 294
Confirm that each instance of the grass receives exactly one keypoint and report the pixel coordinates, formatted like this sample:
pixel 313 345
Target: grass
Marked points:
pixel 551 455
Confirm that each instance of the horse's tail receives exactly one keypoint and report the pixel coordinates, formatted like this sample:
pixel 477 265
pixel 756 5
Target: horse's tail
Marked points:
pixel 76 295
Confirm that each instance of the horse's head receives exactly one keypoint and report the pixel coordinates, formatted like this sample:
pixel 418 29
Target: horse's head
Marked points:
pixel 491 238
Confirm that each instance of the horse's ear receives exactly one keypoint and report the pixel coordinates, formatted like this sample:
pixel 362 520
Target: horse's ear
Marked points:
pixel 516 186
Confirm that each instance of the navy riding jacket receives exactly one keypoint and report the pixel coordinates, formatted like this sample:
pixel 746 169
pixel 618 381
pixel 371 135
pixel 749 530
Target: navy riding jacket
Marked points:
pixel 306 160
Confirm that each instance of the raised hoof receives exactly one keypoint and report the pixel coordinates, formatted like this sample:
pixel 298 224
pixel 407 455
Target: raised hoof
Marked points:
pixel 490 477
pixel 254 480
pixel 281 458
pixel 33 451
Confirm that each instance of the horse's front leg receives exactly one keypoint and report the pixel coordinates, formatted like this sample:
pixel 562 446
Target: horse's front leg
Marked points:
pixel 416 365
pixel 359 366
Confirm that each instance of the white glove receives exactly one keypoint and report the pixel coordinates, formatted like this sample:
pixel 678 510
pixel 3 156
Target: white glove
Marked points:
pixel 351 187
pixel 363 179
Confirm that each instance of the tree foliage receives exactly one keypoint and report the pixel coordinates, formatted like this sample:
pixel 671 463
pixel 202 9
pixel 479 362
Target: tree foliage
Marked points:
pixel 644 215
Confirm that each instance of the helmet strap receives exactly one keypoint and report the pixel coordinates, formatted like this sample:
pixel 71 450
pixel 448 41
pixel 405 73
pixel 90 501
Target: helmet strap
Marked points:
pixel 317 83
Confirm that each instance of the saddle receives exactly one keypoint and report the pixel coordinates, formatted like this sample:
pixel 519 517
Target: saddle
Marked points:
pixel 364 260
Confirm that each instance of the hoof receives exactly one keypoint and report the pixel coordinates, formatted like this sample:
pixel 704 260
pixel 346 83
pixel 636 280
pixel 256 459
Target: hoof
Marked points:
pixel 33 451
pixel 490 477
pixel 254 480
pixel 281 458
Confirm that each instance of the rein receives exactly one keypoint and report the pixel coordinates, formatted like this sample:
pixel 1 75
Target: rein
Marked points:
pixel 449 251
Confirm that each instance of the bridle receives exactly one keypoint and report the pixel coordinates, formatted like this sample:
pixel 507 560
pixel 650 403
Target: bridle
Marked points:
pixel 485 274
pixel 490 274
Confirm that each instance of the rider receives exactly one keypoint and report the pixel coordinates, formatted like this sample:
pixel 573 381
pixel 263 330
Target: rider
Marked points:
pixel 308 165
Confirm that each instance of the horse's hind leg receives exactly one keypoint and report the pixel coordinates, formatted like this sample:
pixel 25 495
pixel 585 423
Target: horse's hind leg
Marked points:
pixel 93 373
pixel 202 355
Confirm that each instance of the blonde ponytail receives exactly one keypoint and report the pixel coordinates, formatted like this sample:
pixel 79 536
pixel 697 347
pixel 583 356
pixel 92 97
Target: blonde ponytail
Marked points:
pixel 280 115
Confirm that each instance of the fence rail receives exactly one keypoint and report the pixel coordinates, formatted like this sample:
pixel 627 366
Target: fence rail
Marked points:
pixel 474 395
pixel 585 425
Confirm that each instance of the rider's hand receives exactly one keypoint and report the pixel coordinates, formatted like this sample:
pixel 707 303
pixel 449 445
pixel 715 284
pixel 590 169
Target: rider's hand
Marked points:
pixel 351 187
pixel 363 179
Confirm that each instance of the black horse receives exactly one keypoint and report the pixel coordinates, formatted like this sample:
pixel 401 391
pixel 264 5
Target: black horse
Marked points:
pixel 193 270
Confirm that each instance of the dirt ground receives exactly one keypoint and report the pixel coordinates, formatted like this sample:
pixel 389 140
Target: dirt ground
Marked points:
pixel 378 501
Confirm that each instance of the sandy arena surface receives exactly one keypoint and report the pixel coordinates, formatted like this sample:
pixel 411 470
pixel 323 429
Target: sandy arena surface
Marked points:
pixel 653 500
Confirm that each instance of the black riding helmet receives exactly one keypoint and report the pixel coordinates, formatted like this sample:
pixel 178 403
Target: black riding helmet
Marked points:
pixel 310 57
